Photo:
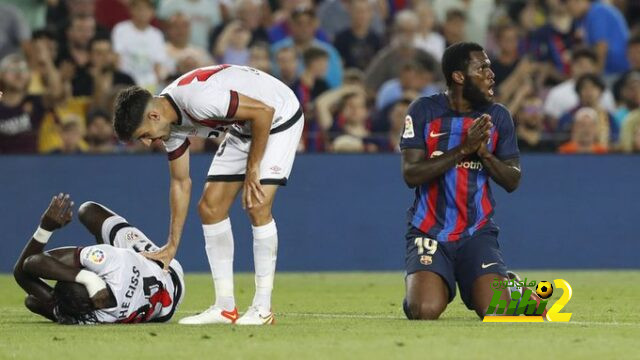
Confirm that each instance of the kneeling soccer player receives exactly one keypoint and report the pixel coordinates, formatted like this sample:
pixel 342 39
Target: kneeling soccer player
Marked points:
pixel 452 144
pixel 105 283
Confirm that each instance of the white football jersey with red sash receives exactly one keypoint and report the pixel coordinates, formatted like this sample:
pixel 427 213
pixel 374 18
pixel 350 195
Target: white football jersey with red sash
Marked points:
pixel 206 100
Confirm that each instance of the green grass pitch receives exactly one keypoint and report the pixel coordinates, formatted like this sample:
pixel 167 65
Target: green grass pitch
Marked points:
pixel 343 316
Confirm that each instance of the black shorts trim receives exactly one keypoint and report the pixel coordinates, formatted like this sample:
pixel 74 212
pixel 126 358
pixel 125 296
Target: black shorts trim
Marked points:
pixel 240 177
pixel 114 231
pixel 282 127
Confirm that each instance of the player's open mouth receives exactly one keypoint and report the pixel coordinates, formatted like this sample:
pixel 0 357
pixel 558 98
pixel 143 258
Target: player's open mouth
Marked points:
pixel 490 90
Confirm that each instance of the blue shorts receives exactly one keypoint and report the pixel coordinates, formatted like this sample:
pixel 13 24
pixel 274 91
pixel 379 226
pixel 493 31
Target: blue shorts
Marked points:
pixel 463 261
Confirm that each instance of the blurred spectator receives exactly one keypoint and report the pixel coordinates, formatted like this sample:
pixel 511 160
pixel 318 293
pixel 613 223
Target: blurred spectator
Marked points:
pixel 337 15
pixel 563 97
pixel 584 134
pixel 453 27
pixel 351 119
pixel 14 31
pixel 507 58
pixel 590 88
pixel 303 27
pixel 108 13
pixel 141 47
pixel 284 21
pixel 71 135
pixel 414 77
pixel 259 57
pixel 60 11
pixel 552 43
pixel 250 14
pixel 43 42
pixel 21 115
pixel 605 29
pixel 178 47
pixel 427 38
pixel 33 11
pixel 100 136
pixel 74 51
pixel 530 127
pixel 287 63
pixel 202 15
pixel 346 143
pixel 630 134
pixel 100 74
pixel 633 52
pixel 390 141
pixel 627 93
pixel 401 50
pixel 475 26
pixel 311 83
pixel 358 44
pixel 233 45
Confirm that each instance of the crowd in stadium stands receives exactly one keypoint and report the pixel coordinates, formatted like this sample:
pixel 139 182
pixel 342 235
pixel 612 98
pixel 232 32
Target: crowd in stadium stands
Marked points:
pixel 568 70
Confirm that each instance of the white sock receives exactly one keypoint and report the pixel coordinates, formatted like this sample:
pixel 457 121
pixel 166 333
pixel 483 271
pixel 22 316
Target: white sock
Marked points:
pixel 219 245
pixel 265 249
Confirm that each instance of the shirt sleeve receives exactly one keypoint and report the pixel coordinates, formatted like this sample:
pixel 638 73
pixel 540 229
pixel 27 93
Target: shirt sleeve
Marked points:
pixel 507 147
pixel 213 104
pixel 414 123
pixel 100 259
pixel 176 146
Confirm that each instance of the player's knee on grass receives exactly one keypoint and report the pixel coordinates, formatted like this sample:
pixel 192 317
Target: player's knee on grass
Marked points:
pixel 483 292
pixel 92 215
pixel 425 309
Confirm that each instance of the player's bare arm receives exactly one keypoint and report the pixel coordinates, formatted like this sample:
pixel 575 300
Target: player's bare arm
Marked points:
pixel 417 170
pixel 260 117
pixel 505 173
pixel 179 197
pixel 58 264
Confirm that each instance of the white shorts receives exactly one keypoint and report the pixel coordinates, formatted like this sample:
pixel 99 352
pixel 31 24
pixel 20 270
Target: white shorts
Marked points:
pixel 230 162
pixel 117 232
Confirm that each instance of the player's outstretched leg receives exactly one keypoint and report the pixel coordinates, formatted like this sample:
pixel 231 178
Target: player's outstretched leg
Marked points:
pixel 92 215
pixel 214 213
pixel 427 296
pixel 482 293
pixel 265 248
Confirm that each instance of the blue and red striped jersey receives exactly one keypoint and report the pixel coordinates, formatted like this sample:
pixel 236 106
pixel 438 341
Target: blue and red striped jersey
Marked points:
pixel 459 202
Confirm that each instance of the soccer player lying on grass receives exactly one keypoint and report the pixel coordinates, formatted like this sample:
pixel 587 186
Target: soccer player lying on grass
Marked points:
pixel 105 283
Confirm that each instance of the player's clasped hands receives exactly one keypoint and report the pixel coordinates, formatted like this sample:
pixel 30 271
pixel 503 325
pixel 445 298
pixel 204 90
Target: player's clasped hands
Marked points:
pixel 478 134
pixel 58 214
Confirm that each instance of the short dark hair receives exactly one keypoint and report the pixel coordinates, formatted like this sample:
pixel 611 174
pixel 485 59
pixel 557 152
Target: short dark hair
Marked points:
pixel 455 14
pixel 313 53
pixel 128 111
pixel 72 304
pixel 592 78
pixel 98 38
pixel 584 53
pixel 456 58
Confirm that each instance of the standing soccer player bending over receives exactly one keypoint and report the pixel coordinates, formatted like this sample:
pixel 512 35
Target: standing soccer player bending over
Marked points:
pixel 452 144
pixel 265 123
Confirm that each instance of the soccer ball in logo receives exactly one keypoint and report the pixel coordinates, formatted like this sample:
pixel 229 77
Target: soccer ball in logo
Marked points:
pixel 544 289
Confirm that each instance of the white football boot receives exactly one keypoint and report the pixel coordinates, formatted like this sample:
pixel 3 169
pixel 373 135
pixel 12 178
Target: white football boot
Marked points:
pixel 256 316
pixel 213 315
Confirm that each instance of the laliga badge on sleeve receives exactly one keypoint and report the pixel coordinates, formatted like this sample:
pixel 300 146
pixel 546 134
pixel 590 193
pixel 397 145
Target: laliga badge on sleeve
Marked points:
pixel 96 256
pixel 408 128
